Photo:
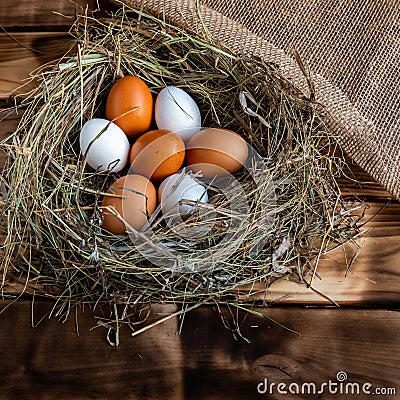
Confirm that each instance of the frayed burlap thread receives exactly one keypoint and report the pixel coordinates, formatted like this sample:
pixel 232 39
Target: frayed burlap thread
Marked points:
pixel 352 49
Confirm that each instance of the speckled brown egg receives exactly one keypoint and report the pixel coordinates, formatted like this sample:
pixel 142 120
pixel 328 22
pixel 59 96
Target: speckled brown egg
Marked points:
pixel 134 198
pixel 157 154
pixel 216 152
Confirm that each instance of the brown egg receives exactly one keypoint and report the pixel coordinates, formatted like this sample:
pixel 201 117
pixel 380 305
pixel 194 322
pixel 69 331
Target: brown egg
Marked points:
pixel 216 152
pixel 130 106
pixel 157 154
pixel 136 200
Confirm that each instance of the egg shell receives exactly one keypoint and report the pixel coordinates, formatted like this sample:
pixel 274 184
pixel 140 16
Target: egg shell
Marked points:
pixel 104 145
pixel 157 154
pixel 175 110
pixel 130 105
pixel 137 199
pixel 179 187
pixel 216 152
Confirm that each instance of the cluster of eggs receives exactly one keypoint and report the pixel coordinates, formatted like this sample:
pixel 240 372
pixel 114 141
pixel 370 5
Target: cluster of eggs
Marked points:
pixel 155 155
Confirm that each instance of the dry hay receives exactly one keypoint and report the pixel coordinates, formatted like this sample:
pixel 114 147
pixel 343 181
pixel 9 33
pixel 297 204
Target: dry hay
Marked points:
pixel 285 212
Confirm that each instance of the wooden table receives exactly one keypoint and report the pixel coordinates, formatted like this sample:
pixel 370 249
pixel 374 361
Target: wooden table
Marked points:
pixel 310 341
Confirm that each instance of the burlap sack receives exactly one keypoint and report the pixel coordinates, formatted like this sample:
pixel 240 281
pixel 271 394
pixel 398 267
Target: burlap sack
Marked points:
pixel 351 47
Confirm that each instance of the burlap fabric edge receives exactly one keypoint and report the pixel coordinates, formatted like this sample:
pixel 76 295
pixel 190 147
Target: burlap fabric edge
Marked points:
pixel 355 133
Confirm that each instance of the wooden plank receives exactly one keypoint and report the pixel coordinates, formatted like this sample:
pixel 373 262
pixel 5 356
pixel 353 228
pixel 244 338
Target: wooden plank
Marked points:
pixel 373 277
pixel 53 362
pixel 22 53
pixel 357 182
pixel 17 15
pixel 205 361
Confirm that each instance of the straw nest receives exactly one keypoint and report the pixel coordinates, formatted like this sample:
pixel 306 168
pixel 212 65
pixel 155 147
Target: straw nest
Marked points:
pixel 283 213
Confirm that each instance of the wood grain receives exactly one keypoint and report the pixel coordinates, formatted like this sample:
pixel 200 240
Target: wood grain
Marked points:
pixel 373 277
pixel 204 362
pixel 356 182
pixel 34 33
pixel 72 360
pixel 33 15
pixel 22 53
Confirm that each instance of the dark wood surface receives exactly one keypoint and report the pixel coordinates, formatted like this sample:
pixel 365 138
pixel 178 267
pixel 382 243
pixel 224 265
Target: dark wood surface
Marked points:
pixel 72 359
pixel 204 362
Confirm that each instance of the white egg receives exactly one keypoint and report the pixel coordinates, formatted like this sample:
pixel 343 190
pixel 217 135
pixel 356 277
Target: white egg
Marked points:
pixel 104 144
pixel 179 187
pixel 176 111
